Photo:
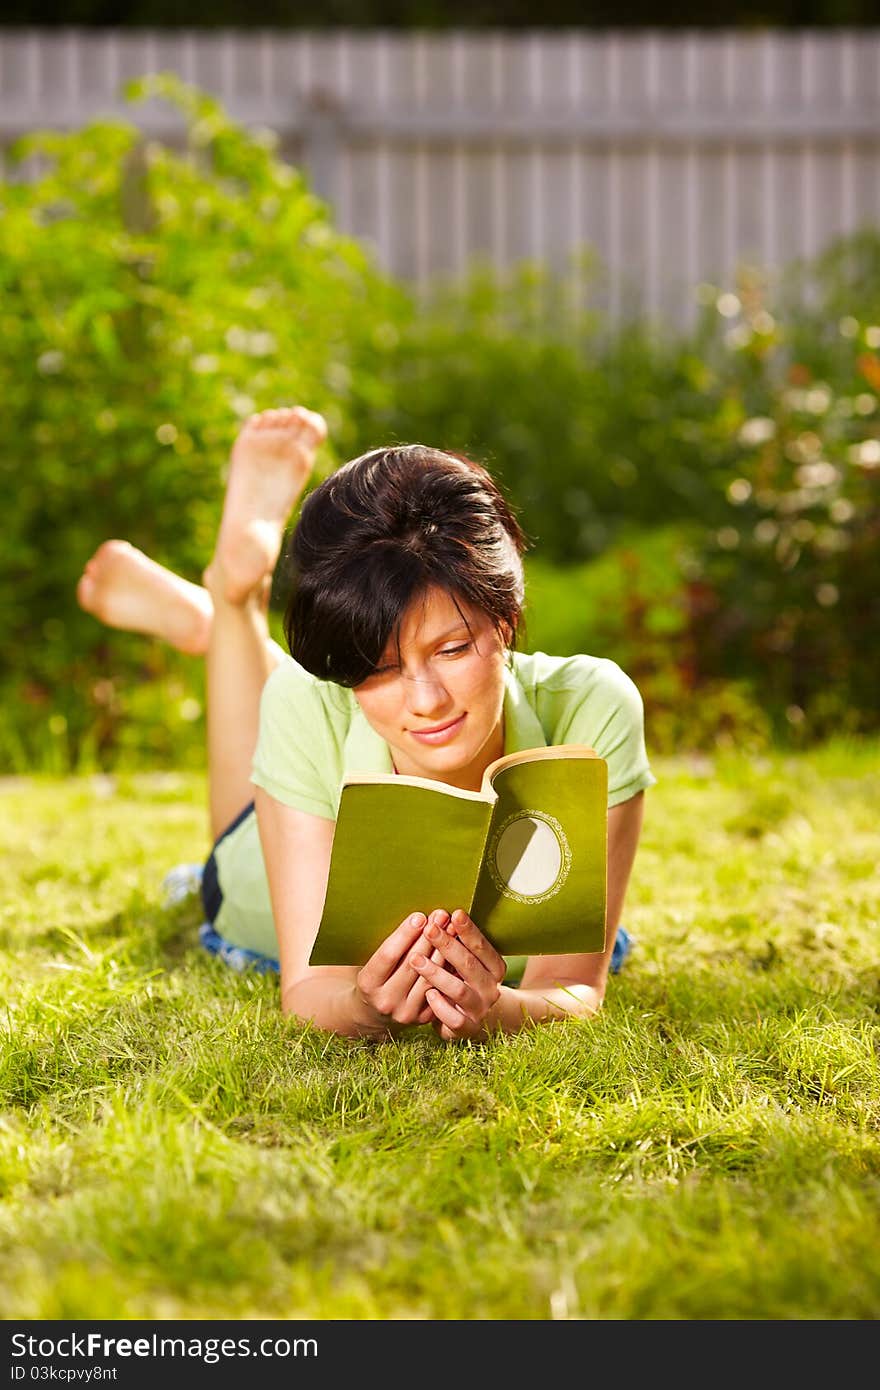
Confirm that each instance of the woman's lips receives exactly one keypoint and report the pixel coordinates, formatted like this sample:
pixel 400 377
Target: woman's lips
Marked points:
pixel 441 735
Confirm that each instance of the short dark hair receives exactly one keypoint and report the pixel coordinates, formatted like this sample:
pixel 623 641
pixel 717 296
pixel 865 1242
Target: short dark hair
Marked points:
pixel 380 532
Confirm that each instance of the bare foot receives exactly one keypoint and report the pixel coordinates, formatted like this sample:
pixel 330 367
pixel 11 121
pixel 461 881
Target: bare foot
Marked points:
pixel 271 462
pixel 126 589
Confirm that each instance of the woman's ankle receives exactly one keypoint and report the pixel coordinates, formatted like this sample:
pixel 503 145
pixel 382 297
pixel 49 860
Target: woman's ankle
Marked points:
pixel 216 581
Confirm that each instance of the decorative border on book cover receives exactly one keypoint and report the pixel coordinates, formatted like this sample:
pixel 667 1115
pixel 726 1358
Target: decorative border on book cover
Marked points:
pixel 565 852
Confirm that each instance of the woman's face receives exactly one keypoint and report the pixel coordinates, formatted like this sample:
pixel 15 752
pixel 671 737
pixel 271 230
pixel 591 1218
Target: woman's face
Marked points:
pixel 444 676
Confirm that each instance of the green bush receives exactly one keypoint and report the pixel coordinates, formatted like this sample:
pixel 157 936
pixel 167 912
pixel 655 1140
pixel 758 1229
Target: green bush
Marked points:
pixel 703 506
pixel 634 605
pixel 757 435
pixel 591 431
pixel 153 294
pixel 789 583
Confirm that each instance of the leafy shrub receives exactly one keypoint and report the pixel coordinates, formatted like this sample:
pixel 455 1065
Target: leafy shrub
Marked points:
pixel 590 431
pixel 758 433
pixel 151 296
pixel 790 581
pixel 634 604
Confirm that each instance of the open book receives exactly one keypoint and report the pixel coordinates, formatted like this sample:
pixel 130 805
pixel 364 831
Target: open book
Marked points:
pixel 525 856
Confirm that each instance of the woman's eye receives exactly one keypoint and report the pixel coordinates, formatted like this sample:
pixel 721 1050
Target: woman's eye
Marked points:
pixel 450 651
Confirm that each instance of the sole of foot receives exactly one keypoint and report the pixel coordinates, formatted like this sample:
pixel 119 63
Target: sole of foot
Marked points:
pixel 271 462
pixel 124 588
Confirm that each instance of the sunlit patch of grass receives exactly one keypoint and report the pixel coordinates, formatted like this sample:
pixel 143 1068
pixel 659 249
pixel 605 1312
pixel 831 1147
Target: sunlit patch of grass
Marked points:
pixel 171 1147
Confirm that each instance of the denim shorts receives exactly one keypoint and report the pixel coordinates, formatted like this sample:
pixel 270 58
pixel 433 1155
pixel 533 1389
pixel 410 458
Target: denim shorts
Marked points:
pixel 212 893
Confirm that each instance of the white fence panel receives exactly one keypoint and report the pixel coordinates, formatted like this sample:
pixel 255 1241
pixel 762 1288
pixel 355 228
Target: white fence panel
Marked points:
pixel 675 157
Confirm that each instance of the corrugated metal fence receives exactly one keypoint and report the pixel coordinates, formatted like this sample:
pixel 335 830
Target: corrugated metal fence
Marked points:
pixel 676 157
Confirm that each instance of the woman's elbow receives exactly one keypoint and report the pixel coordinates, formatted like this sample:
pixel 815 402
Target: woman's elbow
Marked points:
pixel 298 999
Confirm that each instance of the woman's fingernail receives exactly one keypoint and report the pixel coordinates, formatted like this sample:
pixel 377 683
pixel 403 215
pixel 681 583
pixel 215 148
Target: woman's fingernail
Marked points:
pixel 417 919
pixel 432 932
pixel 417 961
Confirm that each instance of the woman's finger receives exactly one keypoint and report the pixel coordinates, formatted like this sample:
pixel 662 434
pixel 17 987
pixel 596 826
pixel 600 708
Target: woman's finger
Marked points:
pixel 386 958
pixel 445 1011
pixel 413 1008
pixel 415 999
pixel 456 954
pixel 462 927
pixel 409 977
pixel 456 990
pixel 402 993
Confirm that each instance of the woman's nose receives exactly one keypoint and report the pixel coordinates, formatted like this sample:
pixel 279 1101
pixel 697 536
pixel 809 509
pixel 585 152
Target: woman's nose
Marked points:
pixel 425 694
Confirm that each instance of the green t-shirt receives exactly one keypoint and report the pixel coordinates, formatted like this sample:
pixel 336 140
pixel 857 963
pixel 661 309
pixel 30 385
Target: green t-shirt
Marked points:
pixel 313 732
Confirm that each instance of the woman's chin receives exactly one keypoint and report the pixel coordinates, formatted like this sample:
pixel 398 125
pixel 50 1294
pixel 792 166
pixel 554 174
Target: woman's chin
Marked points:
pixel 445 761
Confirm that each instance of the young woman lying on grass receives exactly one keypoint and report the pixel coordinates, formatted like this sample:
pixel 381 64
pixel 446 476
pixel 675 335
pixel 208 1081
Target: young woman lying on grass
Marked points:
pixel 406 602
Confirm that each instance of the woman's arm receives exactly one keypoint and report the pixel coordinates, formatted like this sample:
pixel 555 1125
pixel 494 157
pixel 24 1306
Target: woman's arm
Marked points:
pixel 373 1002
pixel 296 850
pixel 552 986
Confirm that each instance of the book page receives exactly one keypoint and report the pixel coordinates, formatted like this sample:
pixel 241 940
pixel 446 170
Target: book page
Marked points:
pixel 542 885
pixel 530 755
pixel 397 848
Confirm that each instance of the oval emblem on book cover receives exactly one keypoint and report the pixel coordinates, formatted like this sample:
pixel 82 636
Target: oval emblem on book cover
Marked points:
pixel 529 857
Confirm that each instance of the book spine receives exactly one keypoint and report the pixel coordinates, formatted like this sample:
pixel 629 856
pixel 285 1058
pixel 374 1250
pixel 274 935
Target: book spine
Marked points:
pixel 478 873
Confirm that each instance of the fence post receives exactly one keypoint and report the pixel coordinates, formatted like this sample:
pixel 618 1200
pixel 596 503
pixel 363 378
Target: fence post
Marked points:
pixel 322 129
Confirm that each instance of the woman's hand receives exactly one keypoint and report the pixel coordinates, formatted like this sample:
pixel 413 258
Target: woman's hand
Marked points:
pixel 389 984
pixel 462 990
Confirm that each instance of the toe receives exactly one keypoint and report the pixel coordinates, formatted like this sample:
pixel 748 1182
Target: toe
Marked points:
pixel 314 422
pixel 108 549
pixel 85 591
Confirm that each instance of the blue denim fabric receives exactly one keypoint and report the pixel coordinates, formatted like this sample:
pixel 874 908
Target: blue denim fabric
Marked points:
pixel 623 945
pixel 237 957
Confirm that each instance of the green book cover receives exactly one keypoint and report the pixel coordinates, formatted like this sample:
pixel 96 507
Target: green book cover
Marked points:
pixel 526 855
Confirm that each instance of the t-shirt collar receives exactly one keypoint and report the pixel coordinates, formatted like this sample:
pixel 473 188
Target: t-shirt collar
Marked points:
pixel 522 727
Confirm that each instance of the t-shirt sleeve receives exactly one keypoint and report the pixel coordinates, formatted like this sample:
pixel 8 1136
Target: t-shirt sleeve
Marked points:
pixel 608 715
pixel 296 756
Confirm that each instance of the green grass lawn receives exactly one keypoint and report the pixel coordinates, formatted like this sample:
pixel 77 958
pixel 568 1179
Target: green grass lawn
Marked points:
pixel 170 1147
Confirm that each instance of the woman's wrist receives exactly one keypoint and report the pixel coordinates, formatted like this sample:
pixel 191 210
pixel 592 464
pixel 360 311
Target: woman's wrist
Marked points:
pixel 509 1013
pixel 517 1008
pixel 337 1006
pixel 366 1015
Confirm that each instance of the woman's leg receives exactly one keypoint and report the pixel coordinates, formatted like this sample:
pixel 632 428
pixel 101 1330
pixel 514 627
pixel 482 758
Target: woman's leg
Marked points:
pixel 226 620
pixel 239 658
pixel 271 462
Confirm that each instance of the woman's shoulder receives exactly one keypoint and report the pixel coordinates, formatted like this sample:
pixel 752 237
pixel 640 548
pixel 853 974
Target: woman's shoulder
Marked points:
pixel 290 687
pixel 303 727
pixel 581 674
pixel 591 700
